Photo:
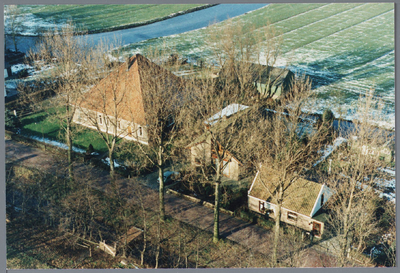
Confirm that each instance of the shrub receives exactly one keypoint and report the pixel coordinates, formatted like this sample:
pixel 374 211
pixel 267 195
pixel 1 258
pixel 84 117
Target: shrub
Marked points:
pixel 90 149
pixel 233 199
pixel 11 121
pixel 23 73
pixel 328 117
pixel 247 215
pixel 265 223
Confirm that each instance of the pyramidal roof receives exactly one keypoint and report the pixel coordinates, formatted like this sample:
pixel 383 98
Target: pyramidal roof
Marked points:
pixel 122 93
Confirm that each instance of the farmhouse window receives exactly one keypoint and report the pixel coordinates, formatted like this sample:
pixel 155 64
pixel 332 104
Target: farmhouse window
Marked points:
pixel 292 216
pixel 261 206
pixel 140 131
pixel 322 199
pixel 100 119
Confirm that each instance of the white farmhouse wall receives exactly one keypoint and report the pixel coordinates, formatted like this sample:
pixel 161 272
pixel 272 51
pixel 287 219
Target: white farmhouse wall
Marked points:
pixel 325 193
pixel 201 154
pixel 127 130
pixel 231 170
pixel 302 221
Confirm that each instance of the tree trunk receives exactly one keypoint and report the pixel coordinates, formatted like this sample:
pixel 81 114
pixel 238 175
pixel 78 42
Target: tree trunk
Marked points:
pixel 70 154
pixel 216 213
pixel 277 226
pixel 216 206
pixel 144 234
pixel 345 251
pixel 112 169
pixel 161 178
pixel 158 243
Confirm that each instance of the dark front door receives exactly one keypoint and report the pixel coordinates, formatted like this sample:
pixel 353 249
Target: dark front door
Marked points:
pixel 316 229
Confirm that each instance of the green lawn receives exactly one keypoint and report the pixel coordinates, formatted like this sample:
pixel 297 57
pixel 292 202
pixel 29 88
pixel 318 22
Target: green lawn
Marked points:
pixel 102 17
pixel 44 124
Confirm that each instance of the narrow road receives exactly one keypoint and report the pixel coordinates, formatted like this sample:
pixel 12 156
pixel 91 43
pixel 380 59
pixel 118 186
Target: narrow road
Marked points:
pixel 234 229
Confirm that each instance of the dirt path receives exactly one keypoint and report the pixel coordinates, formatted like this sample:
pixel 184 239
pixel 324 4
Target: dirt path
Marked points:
pixel 234 229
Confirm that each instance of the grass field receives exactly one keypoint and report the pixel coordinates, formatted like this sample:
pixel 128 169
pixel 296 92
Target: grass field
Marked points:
pixel 42 124
pixel 96 18
pixel 346 49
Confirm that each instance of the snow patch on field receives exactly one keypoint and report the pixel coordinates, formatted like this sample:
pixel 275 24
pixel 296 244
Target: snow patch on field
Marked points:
pixel 330 148
pixel 56 143
pixel 31 24
pixel 389 171
pixel 390 196
pixel 19 67
pixel 11 84
pixel 116 164
pixel 386 183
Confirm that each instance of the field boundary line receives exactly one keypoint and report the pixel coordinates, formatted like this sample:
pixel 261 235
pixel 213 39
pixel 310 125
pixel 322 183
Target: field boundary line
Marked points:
pixel 387 53
pixel 318 21
pixel 336 32
pixel 325 18
pixel 305 12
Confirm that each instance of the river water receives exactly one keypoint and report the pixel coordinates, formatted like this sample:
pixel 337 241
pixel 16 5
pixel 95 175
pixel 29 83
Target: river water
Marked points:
pixel 172 26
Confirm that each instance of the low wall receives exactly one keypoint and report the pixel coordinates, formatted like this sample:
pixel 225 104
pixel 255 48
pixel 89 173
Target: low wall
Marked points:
pixel 108 249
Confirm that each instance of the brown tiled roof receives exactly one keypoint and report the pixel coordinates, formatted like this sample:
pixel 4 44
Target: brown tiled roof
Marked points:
pixel 300 196
pixel 128 85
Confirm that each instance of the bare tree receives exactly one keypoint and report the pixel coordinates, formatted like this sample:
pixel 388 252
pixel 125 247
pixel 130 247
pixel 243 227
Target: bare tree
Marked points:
pixel 286 145
pixel 79 209
pixel 14 20
pixel 247 56
pixel 215 131
pixel 355 174
pixel 163 96
pixel 103 106
pixel 70 62
pixel 212 120
pixel 138 193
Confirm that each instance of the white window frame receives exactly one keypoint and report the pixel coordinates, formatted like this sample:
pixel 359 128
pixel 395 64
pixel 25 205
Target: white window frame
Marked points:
pixel 292 216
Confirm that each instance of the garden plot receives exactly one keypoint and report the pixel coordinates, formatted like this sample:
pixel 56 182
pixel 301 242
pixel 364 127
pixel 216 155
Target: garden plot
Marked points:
pixel 346 49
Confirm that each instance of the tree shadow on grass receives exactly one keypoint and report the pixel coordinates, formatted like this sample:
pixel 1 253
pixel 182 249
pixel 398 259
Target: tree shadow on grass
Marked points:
pixel 33 119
